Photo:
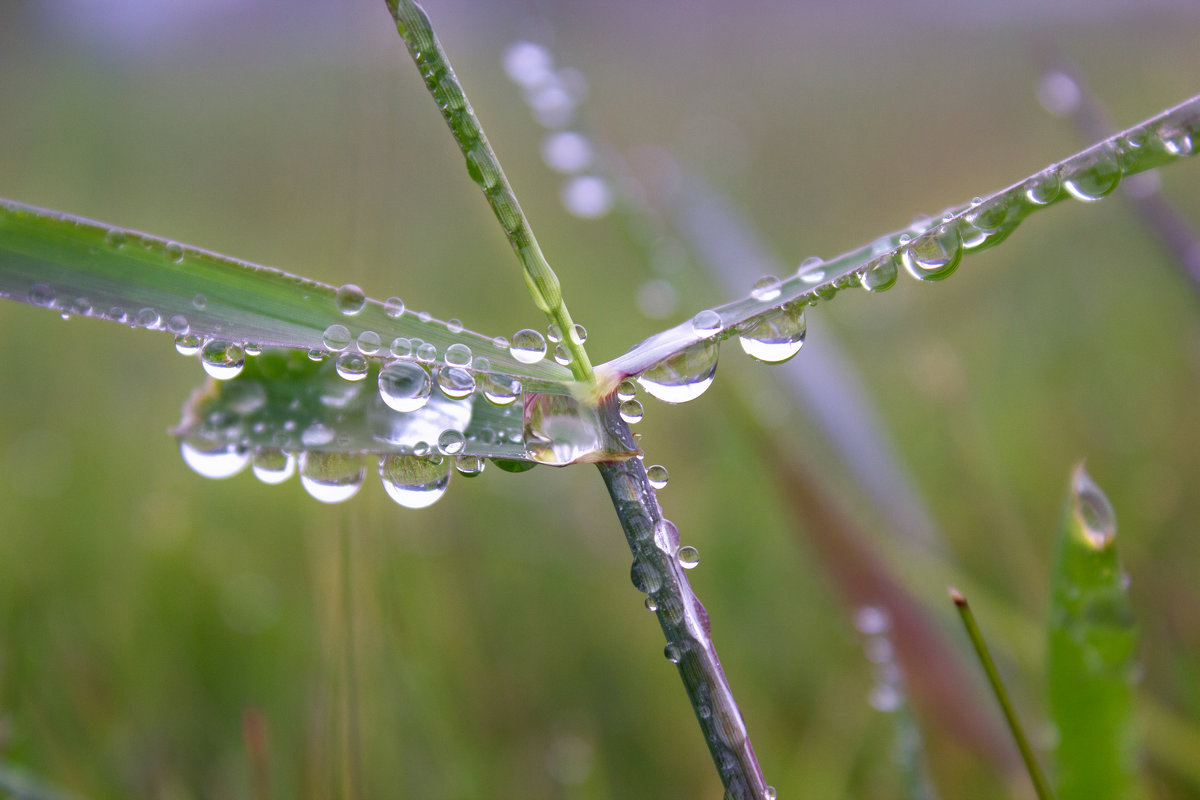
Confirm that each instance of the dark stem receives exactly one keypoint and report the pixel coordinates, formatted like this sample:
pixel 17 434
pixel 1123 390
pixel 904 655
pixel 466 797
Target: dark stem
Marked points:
pixel 656 571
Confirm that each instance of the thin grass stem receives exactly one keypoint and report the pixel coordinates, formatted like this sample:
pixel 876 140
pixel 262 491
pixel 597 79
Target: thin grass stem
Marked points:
pixel 1040 786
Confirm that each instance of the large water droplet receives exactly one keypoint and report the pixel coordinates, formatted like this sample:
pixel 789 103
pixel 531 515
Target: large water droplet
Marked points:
pixel 451 442
pixel 222 360
pixel 501 390
pixel 1045 187
pixel 685 376
pixel 426 352
pixel 188 344
pixel 148 318
pixel 528 346
pixel 458 355
pixel 1176 140
pixel 455 382
pixel 414 481
pixel 658 476
pixel 393 307
pixel 174 251
pixel 1094 176
pixel 368 343
pixel 40 294
pixel 632 412
pixel 706 323
pixel 666 537
pixel 775 336
pixel 332 477
pixel 336 337
pixel 559 430
pixel 349 299
pixel 673 653
pixel 880 274
pixel 469 466
pixel 272 465
pixel 645 577
pixel 766 289
pixel 626 390
pixel 933 256
pixel 352 366
pixel 213 459
pixel 689 557
pixel 404 386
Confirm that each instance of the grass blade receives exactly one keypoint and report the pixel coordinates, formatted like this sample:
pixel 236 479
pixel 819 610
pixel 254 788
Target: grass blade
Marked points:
pixel 1010 715
pixel 1093 642
pixel 484 168
pixel 86 268
pixel 932 250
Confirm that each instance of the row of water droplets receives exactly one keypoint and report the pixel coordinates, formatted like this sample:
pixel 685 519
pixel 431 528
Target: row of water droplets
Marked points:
pixel 412 481
pixel 770 324
pixel 553 96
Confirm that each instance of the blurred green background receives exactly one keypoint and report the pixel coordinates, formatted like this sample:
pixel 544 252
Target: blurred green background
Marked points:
pixel 492 646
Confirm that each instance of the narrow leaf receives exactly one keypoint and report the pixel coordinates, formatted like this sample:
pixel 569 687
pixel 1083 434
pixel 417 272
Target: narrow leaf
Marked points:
pixel 85 268
pixel 1093 642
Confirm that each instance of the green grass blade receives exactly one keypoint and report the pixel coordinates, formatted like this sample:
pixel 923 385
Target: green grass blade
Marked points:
pixel 283 404
pixel 484 168
pixel 929 250
pixel 1092 650
pixel 85 268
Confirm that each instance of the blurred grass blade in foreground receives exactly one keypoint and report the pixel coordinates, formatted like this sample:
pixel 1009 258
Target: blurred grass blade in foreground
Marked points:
pixel 1092 649
pixel 216 305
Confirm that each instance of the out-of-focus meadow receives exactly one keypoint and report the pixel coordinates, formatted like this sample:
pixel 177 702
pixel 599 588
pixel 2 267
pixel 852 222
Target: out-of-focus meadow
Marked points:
pixel 167 636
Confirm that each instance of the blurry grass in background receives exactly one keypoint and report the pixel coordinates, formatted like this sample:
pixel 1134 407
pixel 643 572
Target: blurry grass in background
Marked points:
pixel 491 646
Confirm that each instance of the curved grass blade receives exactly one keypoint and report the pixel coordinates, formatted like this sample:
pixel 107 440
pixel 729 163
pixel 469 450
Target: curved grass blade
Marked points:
pixel 1092 655
pixel 86 268
pixel 284 409
pixel 930 250
pixel 484 168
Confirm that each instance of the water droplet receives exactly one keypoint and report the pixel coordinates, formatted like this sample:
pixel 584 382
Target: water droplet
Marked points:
pixel 83 307
pixel 559 430
pixel 316 354
pixel 317 435
pixel 626 390
pixel 499 342
pixel 349 299
pixel 273 465
pixel 1098 521
pixel 880 274
pixel 561 356
pixel 404 386
pixel 41 294
pixel 528 346
pixel 871 620
pixel 469 466
pixel 454 325
pixel 933 256
pixel 1176 141
pixel 1045 187
pixel 188 344
pixel 458 355
pixel 578 333
pixel 414 481
pixel 658 476
pixel 501 390
pixel 766 289
pixel 706 323
pixel 178 324
pixel 689 557
pixel 213 459
pixel 336 337
pixel 451 442
pixel 553 334
pixel 528 64
pixel 666 537
pixel 775 336
pixel 424 316
pixel 1095 174
pixel 393 307
pixel 199 302
pixel 455 382
pixel 632 412
pixel 174 251
pixel 566 151
pixel 244 396
pixel 401 347
pixel 222 360
pixel 587 196
pixel 885 698
pixel 651 605
pixel 769 793
pixel 426 352
pixel 645 577
pixel 368 343
pixel 115 238
pixel 332 477
pixel 673 652
pixel 352 366
pixel 811 270
pixel 148 318
pixel 685 376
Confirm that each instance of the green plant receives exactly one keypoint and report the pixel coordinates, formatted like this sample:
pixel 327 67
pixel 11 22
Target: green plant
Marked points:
pixel 508 517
